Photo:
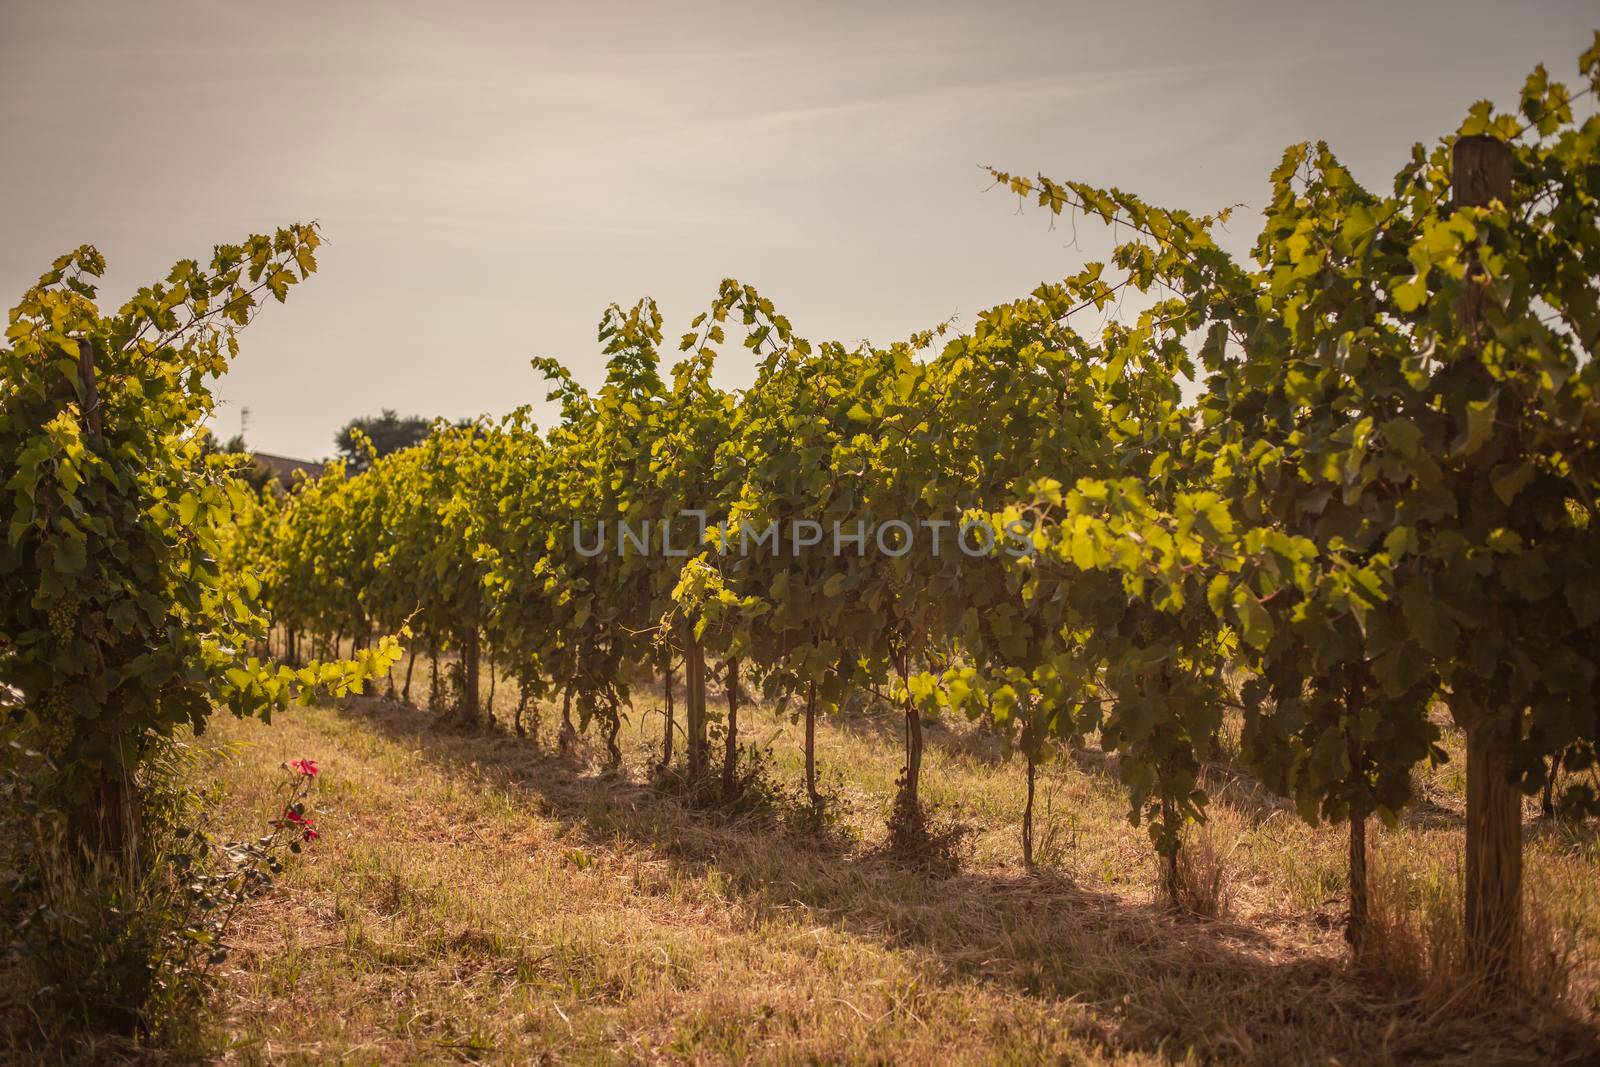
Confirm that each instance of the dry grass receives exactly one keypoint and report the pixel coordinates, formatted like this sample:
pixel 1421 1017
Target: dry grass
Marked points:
pixel 472 900
pixel 1207 874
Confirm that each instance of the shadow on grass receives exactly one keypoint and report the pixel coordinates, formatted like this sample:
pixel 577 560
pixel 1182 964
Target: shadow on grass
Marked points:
pixel 881 723
pixel 1152 982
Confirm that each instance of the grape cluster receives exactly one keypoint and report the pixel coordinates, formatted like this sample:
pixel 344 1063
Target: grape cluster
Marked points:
pixel 64 618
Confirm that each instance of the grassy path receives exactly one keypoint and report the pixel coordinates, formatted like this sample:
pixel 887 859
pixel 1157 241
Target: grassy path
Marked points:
pixel 471 900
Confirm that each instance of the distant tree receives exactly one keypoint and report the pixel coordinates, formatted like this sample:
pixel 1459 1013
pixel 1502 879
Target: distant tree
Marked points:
pixel 388 431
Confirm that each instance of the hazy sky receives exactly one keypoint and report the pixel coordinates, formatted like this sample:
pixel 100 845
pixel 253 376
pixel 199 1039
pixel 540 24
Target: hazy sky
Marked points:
pixel 490 175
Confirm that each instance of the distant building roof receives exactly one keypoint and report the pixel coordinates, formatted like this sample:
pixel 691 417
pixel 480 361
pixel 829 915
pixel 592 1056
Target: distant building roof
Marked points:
pixel 283 468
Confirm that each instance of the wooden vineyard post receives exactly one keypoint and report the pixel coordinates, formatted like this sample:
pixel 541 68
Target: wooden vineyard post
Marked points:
pixel 1481 175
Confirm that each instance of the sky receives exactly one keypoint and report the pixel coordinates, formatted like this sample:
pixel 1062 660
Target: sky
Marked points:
pixel 489 176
